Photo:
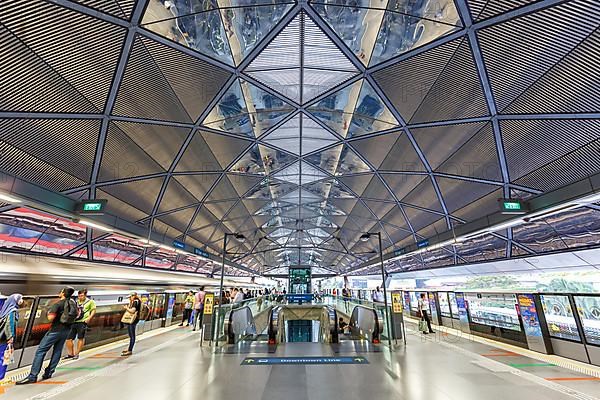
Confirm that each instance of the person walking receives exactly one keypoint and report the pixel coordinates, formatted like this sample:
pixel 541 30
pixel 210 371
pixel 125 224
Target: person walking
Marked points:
pixel 86 310
pixel 131 319
pixel 9 316
pixel 199 308
pixel 188 304
pixel 259 300
pixel 422 308
pixel 61 315
pixel 346 294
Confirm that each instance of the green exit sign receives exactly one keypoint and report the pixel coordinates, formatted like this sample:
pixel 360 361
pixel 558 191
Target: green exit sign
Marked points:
pixel 92 207
pixel 509 206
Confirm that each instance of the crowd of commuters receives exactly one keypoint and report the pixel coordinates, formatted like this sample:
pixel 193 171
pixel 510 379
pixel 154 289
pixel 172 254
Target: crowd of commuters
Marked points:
pixel 68 319
pixel 193 308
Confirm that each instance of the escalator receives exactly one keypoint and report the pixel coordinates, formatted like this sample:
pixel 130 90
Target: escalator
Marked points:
pixel 303 323
pixel 365 324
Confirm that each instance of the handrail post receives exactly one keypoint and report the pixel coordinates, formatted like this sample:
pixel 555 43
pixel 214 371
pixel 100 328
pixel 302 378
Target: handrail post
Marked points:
pixel 388 321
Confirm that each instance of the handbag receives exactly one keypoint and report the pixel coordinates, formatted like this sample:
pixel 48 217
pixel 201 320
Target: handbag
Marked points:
pixel 422 325
pixel 9 355
pixel 129 317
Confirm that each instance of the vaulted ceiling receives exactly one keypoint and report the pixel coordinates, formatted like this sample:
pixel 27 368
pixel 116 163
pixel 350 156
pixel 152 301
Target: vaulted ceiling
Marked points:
pixel 301 125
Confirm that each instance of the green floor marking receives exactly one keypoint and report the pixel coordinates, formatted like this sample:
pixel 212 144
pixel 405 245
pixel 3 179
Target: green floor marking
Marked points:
pixel 532 365
pixel 79 368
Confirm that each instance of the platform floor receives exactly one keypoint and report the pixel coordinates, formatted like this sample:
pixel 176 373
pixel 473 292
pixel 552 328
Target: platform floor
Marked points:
pixel 173 365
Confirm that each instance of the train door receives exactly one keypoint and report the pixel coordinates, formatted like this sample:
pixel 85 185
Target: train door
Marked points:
pixel 158 316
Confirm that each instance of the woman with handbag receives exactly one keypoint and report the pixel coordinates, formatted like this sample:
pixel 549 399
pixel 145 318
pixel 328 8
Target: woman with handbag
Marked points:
pixel 9 315
pixel 188 303
pixel 131 318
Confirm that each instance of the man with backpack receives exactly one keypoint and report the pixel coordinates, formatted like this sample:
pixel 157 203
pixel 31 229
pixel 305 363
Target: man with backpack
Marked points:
pixel 86 309
pixel 61 315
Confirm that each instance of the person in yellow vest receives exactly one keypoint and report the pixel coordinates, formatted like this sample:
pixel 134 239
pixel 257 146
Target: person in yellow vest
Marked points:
pixel 188 304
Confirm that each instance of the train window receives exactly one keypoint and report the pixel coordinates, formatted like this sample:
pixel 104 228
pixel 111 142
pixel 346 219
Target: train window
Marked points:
pixel 41 325
pixel 25 311
pixel 159 306
pixel 178 307
pixel 151 304
pixel 106 324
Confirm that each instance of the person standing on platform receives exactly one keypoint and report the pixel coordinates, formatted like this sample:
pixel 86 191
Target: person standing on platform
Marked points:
pixel 239 296
pixel 61 315
pixel 86 310
pixel 346 297
pixel 188 304
pixel 422 308
pixel 9 315
pixel 378 295
pixel 199 308
pixel 259 300
pixel 134 307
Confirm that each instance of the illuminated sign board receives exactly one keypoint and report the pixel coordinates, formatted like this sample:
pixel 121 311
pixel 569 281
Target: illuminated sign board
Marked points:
pixel 200 252
pixel 423 243
pixel 400 252
pixel 92 207
pixel 509 206
pixel 178 244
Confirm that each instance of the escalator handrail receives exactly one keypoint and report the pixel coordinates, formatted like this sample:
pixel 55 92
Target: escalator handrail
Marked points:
pixel 334 329
pixel 377 329
pixel 272 331
pixel 229 323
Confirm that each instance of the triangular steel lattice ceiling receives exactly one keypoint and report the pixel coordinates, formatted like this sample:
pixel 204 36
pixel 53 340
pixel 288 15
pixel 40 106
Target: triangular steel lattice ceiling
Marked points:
pixel 301 125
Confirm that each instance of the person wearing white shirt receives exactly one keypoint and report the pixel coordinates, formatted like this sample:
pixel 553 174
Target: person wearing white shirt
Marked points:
pixel 422 308
pixel 378 296
pixel 239 296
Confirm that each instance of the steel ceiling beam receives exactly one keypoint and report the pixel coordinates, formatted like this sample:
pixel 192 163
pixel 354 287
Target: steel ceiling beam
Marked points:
pixel 136 17
pixel 465 14
pixel 415 145
pixel 571 192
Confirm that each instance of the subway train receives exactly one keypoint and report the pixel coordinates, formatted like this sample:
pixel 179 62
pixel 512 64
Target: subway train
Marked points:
pixel 40 279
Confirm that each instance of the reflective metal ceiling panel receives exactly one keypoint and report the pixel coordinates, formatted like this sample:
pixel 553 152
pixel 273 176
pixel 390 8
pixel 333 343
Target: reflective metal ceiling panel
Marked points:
pixel 313 121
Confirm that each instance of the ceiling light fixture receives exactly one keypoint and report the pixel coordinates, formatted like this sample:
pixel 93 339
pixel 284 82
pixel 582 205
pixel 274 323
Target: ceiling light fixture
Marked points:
pixel 9 199
pixel 96 226
pixel 590 199
pixel 551 211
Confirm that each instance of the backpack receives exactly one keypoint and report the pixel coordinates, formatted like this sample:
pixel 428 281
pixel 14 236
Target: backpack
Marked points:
pixel 70 312
pixel 80 310
pixel 144 311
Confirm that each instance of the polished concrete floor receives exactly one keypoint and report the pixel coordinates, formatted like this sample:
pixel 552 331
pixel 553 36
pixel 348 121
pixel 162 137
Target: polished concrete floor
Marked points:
pixel 173 365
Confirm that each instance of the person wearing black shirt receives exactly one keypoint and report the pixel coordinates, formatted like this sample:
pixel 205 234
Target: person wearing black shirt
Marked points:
pixel 342 325
pixel 134 306
pixel 55 338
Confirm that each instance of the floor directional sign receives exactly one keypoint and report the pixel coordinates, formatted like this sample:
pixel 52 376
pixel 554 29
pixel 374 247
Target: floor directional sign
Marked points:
pixel 303 360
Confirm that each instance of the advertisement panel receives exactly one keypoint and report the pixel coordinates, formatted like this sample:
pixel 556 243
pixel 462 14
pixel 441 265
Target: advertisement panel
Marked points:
pixel 529 314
